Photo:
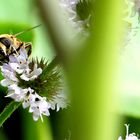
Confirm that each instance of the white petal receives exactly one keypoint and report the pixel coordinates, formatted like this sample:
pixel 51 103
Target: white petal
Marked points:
pixel 36 116
pixel 10 93
pixel 12 59
pixel 24 77
pixel 131 137
pixel 31 110
pixel 6 82
pixel 120 138
pixel 23 53
pixel 46 112
pixel 16 67
pixel 33 77
pixel 25 104
pixel 38 71
pixel 52 105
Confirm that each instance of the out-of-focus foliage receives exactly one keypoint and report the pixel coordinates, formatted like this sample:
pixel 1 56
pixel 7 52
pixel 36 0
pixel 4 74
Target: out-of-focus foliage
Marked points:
pixel 35 130
pixel 129 86
pixel 84 9
pixel 16 16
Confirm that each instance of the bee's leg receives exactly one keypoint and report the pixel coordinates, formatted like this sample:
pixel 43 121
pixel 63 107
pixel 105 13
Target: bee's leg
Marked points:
pixel 14 50
pixel 4 59
pixel 28 47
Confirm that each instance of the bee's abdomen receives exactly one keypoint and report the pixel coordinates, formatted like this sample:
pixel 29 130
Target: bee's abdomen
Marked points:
pixel 5 41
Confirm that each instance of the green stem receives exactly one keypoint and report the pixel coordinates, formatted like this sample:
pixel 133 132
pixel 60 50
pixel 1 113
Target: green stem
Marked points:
pixel 51 16
pixel 8 110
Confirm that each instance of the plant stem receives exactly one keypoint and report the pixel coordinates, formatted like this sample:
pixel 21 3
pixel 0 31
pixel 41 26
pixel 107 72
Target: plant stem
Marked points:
pixel 58 38
pixel 8 110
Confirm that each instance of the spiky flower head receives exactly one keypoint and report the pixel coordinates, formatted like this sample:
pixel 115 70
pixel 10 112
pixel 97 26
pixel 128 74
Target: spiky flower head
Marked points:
pixel 29 82
pixel 79 13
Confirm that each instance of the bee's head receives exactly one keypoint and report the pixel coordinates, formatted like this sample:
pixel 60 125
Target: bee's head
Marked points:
pixel 6 41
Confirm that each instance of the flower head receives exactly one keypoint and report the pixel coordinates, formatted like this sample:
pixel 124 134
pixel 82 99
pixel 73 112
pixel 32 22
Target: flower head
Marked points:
pixel 79 14
pixel 25 83
pixel 128 136
pixel 131 19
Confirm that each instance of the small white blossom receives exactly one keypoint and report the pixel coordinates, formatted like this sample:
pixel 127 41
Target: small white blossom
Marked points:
pixel 10 77
pixel 16 93
pixel 31 75
pixel 19 63
pixel 128 136
pixel 28 98
pixel 39 106
pixel 8 72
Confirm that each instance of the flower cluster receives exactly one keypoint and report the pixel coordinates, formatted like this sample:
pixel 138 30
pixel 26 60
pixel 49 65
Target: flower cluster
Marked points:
pixel 72 9
pixel 131 19
pixel 22 77
pixel 131 136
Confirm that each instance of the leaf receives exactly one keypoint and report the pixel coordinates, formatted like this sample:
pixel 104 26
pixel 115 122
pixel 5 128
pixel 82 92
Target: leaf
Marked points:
pixel 8 110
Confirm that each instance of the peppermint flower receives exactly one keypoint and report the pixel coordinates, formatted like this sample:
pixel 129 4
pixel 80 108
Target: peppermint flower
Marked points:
pixel 39 106
pixel 131 19
pixel 79 14
pixel 128 136
pixel 27 83
pixel 16 93
pixel 31 75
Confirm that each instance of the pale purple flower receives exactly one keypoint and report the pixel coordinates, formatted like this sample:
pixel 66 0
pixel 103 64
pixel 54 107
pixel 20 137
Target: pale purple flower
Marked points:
pixel 39 107
pixel 19 63
pixel 20 70
pixel 29 98
pixel 128 136
pixel 16 93
pixel 31 75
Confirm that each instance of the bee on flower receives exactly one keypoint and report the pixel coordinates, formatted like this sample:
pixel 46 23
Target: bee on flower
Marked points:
pixel 27 83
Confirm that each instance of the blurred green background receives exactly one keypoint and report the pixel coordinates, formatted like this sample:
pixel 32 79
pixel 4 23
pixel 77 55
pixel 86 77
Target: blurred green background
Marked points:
pixel 16 16
pixel 91 77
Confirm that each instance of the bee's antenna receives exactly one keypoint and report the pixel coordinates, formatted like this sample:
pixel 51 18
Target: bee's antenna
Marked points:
pixel 17 34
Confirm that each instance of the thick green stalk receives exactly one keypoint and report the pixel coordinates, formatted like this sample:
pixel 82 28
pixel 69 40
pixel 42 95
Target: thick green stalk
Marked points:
pixel 93 73
pixel 93 76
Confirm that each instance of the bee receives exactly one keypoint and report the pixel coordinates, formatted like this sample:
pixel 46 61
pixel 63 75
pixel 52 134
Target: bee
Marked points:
pixel 10 44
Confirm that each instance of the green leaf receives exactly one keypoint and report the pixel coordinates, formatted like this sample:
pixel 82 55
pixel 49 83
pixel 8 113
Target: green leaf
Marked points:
pixel 8 110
